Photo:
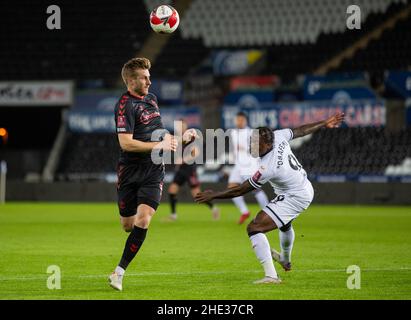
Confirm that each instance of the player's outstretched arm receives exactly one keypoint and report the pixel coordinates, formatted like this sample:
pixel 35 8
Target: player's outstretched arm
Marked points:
pixel 331 122
pixel 237 191
pixel 127 143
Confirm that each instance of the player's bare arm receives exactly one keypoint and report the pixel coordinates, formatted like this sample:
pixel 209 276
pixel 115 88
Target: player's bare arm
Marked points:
pixel 229 193
pixel 127 143
pixel 331 122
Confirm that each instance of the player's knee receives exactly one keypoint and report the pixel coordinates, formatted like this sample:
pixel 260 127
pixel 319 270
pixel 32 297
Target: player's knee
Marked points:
pixel 286 227
pixel 252 229
pixel 143 218
pixel 143 221
pixel 128 226
pixel 173 189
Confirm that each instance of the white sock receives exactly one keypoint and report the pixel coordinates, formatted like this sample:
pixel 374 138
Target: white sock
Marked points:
pixel 120 271
pixel 240 204
pixel 262 250
pixel 286 243
pixel 261 198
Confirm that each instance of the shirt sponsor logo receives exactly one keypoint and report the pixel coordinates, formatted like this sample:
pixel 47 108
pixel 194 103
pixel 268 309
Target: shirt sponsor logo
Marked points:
pixel 146 116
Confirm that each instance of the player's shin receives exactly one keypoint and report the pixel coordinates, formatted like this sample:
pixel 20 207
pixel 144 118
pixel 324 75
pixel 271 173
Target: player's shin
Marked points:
pixel 261 248
pixel 286 242
pixel 133 244
pixel 173 202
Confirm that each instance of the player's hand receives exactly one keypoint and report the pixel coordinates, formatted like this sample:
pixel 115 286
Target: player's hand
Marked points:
pixel 169 143
pixel 190 135
pixel 204 196
pixel 335 120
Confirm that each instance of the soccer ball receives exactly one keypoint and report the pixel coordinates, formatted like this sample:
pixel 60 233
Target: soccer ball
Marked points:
pixel 164 19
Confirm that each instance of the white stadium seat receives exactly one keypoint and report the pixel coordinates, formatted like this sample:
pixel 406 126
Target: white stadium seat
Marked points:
pixel 269 21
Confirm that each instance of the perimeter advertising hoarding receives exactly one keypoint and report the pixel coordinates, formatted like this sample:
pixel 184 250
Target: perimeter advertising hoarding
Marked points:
pixel 358 113
pixel 91 120
pixel 36 93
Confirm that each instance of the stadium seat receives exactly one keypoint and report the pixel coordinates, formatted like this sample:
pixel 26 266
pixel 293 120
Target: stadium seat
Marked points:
pixel 391 51
pixel 359 151
pixel 318 16
pixel 114 34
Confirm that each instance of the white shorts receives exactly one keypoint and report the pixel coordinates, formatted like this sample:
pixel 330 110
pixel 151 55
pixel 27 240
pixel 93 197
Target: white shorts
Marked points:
pixel 286 207
pixel 239 174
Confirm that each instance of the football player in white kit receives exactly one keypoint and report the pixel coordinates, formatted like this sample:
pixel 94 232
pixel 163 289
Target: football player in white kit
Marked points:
pixel 293 190
pixel 245 165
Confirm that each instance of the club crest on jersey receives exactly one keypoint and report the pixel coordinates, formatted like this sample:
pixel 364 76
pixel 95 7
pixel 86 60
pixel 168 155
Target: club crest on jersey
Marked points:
pixel 257 176
pixel 121 121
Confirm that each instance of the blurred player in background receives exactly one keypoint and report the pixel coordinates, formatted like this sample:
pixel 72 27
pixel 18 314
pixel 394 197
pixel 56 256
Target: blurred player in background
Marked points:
pixel 245 165
pixel 140 181
pixel 294 192
pixel 186 171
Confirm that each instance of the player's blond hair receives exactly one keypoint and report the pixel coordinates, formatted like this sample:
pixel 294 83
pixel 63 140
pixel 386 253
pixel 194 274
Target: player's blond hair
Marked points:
pixel 129 68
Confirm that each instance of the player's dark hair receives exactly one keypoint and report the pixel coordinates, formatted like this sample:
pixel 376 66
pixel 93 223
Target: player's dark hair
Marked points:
pixel 266 134
pixel 132 65
pixel 241 114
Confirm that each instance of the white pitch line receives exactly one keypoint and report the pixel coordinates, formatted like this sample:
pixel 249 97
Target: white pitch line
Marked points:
pixel 142 274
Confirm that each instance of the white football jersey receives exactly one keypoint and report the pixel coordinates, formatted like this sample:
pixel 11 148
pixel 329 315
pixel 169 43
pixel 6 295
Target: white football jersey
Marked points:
pixel 241 146
pixel 281 168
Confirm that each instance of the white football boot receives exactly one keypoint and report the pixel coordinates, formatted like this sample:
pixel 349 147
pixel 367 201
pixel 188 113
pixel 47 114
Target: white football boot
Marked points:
pixel 172 217
pixel 116 281
pixel 277 257
pixel 267 280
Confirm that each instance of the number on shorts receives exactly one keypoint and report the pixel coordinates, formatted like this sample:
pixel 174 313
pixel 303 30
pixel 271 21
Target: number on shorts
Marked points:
pixel 278 198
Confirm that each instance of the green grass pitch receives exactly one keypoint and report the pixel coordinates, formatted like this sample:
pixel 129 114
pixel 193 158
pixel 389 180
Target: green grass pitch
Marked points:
pixel 197 258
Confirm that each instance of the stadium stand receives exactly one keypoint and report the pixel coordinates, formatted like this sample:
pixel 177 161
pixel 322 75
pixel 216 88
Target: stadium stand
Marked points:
pixel 89 155
pixel 304 33
pixel 391 51
pixel 294 59
pixel 180 56
pixel 271 22
pixel 358 151
pixel 94 47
